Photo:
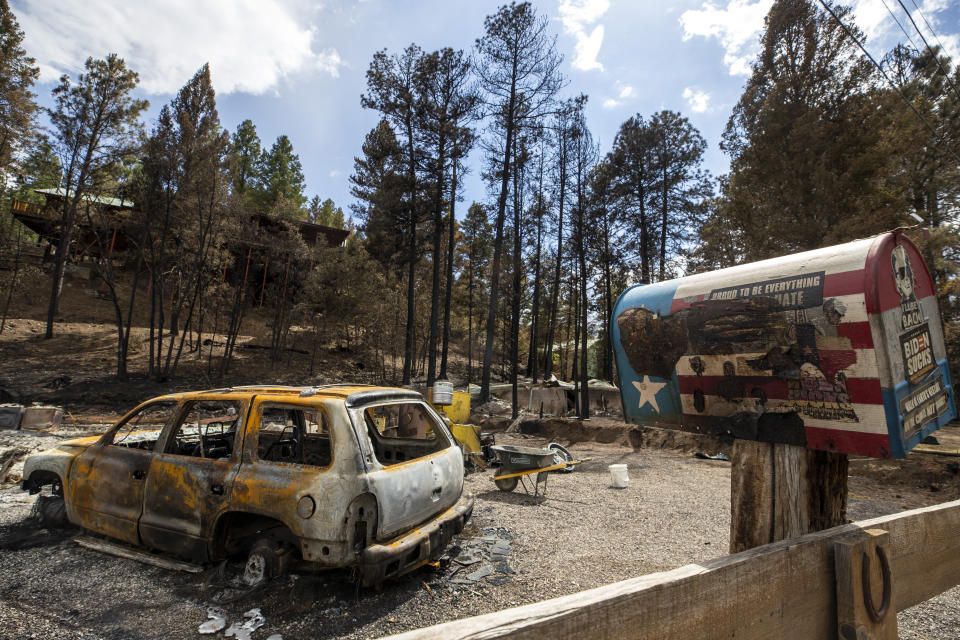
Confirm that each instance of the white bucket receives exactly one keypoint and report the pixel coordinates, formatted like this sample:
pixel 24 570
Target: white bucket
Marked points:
pixel 618 476
pixel 442 393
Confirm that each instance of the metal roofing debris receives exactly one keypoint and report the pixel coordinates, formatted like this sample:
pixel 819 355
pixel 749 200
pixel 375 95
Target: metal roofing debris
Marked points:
pixel 60 192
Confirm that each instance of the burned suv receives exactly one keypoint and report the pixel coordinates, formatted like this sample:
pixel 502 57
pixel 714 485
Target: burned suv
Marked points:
pixel 337 476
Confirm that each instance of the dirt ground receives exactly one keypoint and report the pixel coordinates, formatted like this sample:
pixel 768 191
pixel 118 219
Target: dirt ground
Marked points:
pixel 77 367
pixel 585 534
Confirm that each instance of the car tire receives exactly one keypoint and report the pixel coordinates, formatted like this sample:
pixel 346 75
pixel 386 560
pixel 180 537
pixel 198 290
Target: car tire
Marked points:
pixel 51 511
pixel 267 559
pixel 507 484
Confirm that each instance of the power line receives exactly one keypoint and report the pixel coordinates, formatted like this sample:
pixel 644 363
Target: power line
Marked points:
pixel 929 26
pixel 929 48
pixel 902 28
pixel 886 77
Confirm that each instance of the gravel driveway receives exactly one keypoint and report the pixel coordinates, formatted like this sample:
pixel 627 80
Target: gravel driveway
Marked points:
pixel 586 534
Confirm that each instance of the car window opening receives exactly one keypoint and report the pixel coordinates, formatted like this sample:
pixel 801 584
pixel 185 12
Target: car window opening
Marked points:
pixel 295 435
pixel 142 429
pixel 208 430
pixel 402 431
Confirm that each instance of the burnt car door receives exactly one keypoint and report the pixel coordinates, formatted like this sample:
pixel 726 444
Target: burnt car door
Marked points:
pixel 191 476
pixel 420 474
pixel 287 457
pixel 105 483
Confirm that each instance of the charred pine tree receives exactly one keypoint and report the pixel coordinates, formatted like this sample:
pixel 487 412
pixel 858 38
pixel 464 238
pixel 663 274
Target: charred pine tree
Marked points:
pixel 602 227
pixel 538 212
pixel 519 72
pixel 461 146
pixel 562 128
pixel 392 89
pixel 446 101
pixel 477 236
pixel 202 190
pixel 96 126
pixel 521 157
pixel 584 158
pixel 634 178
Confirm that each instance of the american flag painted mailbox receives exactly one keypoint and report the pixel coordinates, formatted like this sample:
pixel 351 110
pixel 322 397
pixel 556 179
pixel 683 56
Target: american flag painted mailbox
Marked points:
pixel 839 349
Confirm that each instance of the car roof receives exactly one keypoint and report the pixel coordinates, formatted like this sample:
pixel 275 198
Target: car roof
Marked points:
pixel 356 392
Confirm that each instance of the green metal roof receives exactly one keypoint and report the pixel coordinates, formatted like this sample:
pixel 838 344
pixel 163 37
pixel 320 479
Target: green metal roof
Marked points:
pixel 110 202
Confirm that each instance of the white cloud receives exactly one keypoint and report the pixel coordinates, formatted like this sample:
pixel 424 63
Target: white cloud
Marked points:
pixel 699 101
pixel 737 26
pixel 881 31
pixel 335 173
pixel 624 91
pixel 873 18
pixel 576 16
pixel 950 41
pixel 329 61
pixel 251 45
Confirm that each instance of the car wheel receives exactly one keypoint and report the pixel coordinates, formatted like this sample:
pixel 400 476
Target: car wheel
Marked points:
pixel 267 559
pixel 507 484
pixel 51 510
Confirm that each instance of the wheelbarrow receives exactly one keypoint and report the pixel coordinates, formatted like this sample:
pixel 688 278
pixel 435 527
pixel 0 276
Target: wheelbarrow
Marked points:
pixel 518 462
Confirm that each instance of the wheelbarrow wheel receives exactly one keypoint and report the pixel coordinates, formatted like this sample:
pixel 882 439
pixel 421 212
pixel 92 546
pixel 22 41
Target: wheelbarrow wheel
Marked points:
pixel 507 484
pixel 561 456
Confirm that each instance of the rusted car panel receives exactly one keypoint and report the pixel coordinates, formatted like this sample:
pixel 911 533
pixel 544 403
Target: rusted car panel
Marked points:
pixel 415 548
pixel 410 492
pixel 339 473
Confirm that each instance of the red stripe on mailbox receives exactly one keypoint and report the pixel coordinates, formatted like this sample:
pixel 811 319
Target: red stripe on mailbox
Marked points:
pixel 844 283
pixel 859 334
pixel 874 445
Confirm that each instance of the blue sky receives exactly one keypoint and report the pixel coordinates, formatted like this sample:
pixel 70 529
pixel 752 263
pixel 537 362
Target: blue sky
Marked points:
pixel 296 67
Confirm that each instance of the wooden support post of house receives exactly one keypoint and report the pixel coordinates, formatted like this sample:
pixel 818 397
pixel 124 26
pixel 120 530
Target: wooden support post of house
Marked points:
pixel 780 491
pixel 263 287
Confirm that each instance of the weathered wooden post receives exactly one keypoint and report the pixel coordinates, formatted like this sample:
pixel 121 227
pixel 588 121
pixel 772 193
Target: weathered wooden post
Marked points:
pixel 780 491
pixel 802 360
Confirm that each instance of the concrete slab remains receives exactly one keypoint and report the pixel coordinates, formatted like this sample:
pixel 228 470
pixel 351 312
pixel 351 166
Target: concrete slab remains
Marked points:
pixel 559 398
pixel 41 418
pixel 554 401
pixel 605 398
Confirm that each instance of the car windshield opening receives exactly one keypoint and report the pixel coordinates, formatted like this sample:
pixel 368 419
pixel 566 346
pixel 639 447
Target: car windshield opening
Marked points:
pixel 402 431
pixel 142 429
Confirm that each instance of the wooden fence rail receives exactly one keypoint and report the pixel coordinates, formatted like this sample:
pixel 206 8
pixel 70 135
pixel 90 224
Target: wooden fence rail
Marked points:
pixel 787 589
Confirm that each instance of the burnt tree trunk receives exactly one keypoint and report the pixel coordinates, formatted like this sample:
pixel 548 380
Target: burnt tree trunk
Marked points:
pixel 495 269
pixel 433 333
pixel 448 294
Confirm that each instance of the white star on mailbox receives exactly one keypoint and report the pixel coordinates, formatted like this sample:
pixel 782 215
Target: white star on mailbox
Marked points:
pixel 648 391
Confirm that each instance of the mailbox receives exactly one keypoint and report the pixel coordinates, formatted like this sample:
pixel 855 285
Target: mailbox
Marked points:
pixel 838 349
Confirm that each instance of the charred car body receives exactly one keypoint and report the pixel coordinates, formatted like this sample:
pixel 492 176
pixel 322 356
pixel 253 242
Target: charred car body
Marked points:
pixel 341 476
